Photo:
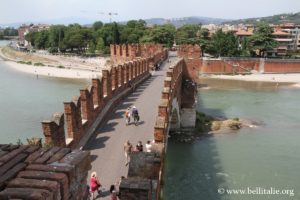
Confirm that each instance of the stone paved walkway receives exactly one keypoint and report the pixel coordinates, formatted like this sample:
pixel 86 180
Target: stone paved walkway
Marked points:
pixel 106 146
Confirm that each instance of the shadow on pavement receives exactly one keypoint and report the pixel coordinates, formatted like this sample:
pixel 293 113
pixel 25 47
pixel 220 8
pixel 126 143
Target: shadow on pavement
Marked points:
pixel 96 142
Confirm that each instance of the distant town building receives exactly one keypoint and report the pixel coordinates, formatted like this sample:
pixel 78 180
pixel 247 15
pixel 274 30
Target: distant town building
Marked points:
pixel 285 42
pixel 294 34
pixel 25 29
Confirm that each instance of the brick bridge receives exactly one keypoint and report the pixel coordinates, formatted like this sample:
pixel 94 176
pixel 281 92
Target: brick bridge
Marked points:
pixel 95 130
pixel 89 135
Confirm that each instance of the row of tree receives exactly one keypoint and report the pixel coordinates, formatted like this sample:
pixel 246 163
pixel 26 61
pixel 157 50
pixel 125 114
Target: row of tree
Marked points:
pixel 96 39
pixel 8 32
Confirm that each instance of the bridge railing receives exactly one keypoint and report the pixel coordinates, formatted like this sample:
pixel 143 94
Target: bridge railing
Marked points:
pixel 171 90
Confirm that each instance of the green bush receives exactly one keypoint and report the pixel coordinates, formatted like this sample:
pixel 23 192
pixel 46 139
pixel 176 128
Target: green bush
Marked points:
pixel 53 50
pixel 61 66
pixel 203 122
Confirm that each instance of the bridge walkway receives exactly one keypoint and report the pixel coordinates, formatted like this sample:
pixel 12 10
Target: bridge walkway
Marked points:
pixel 106 146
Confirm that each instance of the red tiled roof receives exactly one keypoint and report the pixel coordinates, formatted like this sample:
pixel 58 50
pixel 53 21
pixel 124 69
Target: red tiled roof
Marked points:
pixel 280 33
pixel 244 33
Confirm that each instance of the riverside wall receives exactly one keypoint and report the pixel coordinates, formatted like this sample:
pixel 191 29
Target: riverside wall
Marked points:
pixel 246 65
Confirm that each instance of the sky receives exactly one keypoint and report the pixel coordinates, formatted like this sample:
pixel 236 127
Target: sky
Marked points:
pixel 12 11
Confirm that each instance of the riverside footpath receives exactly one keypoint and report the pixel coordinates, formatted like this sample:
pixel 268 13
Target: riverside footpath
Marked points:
pixel 106 145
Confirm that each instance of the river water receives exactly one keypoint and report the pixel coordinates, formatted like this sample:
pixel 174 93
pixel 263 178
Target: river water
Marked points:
pixel 25 101
pixel 256 161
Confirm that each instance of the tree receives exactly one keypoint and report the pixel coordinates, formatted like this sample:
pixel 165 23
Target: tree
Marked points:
pixel 56 36
pixel 10 32
pixel 31 37
pixel 110 33
pixel 115 33
pixel 133 31
pixel 188 34
pixel 223 44
pixel 97 25
pixel 164 34
pixel 100 47
pixel 1 35
pixel 78 38
pixel 204 39
pixel 41 40
pixel 262 40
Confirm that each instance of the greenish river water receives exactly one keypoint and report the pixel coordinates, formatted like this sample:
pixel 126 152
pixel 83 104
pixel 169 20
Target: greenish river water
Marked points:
pixel 25 101
pixel 254 161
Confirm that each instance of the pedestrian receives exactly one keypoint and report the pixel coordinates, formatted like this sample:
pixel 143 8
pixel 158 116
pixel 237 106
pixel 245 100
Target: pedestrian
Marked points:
pixel 139 146
pixel 148 146
pixel 94 184
pixel 135 115
pixel 127 150
pixel 119 183
pixel 113 192
pixel 127 116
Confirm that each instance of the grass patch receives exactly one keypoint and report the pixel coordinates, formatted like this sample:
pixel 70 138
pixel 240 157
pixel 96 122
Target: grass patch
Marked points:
pixel 24 62
pixel 39 64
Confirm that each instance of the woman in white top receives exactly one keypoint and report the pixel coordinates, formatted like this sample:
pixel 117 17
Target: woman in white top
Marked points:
pixel 148 146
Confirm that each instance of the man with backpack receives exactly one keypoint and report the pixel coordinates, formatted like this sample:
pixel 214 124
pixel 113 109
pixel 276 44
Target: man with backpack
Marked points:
pixel 135 115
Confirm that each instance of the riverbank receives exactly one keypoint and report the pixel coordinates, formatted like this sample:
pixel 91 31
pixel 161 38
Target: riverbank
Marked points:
pixel 52 71
pixel 293 79
pixel 53 66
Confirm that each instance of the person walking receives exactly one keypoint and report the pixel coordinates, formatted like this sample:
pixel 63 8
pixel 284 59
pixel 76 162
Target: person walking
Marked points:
pixel 139 146
pixel 135 115
pixel 118 184
pixel 148 146
pixel 94 184
pixel 127 151
pixel 113 192
pixel 127 116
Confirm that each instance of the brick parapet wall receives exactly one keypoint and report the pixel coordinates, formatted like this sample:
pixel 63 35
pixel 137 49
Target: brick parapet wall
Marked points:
pixel 172 86
pixel 81 114
pixel 128 52
pixel 31 172
pixel 191 55
pixel 171 90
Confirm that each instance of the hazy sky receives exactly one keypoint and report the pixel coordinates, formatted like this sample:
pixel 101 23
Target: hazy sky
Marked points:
pixel 39 10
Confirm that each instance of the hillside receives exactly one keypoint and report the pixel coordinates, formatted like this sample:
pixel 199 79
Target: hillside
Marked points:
pixel 185 20
pixel 275 19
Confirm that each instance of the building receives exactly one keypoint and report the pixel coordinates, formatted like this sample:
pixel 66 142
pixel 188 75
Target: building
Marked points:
pixel 295 35
pixel 22 31
pixel 287 36
pixel 25 29
pixel 298 42
pixel 285 43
